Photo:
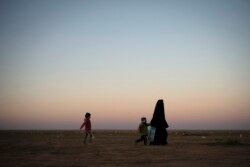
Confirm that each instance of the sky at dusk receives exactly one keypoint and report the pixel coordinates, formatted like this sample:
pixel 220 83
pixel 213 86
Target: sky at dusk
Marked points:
pixel 60 59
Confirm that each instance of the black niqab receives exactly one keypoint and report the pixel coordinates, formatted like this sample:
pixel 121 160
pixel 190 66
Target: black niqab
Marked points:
pixel 159 122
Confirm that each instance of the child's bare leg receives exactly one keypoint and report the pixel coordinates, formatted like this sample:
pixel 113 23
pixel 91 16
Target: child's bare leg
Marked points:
pixel 90 137
pixel 85 138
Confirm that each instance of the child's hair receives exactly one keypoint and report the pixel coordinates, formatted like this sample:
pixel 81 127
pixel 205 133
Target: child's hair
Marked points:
pixel 143 119
pixel 87 115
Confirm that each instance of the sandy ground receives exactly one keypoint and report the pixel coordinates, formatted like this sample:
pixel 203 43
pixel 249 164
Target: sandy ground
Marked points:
pixel 117 148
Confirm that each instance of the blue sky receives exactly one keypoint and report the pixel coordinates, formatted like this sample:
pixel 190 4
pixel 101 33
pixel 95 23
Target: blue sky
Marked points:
pixel 76 53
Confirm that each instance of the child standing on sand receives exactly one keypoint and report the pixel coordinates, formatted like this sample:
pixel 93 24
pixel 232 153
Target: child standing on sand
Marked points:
pixel 87 124
pixel 143 130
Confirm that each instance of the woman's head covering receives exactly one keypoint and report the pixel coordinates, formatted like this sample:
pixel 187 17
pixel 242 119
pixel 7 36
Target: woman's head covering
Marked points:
pixel 158 119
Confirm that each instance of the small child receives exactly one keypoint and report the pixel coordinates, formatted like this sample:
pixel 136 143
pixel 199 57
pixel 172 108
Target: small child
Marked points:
pixel 143 130
pixel 87 124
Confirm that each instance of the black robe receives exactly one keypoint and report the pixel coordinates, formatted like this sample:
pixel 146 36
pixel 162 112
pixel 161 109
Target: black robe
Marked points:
pixel 159 122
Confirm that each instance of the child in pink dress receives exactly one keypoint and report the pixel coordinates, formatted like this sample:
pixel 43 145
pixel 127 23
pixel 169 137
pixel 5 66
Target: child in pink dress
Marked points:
pixel 87 124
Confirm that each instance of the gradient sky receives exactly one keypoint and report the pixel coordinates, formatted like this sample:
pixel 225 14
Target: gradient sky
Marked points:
pixel 115 59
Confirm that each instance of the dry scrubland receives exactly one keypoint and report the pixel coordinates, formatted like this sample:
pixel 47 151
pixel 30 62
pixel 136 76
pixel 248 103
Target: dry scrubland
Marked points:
pixel 117 148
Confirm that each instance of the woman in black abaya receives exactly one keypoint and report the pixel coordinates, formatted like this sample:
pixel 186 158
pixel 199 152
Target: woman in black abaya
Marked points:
pixel 159 122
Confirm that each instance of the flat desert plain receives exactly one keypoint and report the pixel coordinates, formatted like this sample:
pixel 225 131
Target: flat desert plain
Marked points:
pixel 117 148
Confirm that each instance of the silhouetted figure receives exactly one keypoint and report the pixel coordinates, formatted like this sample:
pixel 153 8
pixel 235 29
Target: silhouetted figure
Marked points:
pixel 143 130
pixel 159 122
pixel 88 131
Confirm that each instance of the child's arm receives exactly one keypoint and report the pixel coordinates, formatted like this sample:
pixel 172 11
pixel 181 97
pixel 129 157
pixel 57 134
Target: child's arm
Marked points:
pixel 83 124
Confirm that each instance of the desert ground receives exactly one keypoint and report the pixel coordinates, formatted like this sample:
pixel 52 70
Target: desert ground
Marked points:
pixel 117 148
